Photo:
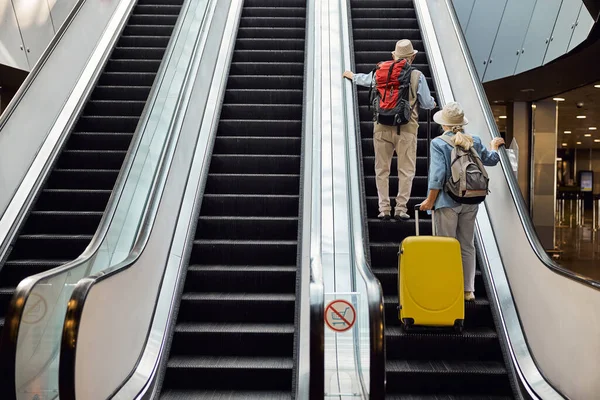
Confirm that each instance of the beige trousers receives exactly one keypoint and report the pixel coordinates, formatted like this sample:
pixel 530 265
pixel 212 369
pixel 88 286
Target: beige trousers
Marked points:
pixel 385 141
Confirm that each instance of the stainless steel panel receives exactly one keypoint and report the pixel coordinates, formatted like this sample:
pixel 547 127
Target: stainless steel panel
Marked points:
pixel 563 30
pixel 59 9
pixel 36 27
pixel 582 28
pixel 482 29
pixel 538 35
pixel 463 11
pixel 12 52
pixel 507 46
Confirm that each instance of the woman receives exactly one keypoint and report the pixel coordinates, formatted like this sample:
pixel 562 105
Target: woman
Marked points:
pixel 455 219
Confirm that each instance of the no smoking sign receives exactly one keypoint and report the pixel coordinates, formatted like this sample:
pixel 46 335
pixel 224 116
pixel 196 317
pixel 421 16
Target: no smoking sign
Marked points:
pixel 340 315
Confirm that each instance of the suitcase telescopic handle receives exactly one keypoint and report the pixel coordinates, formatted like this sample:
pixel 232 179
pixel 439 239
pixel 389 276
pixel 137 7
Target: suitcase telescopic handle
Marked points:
pixel 417 220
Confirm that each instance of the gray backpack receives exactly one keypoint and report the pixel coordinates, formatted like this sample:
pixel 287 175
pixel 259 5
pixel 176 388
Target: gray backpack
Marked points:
pixel 469 181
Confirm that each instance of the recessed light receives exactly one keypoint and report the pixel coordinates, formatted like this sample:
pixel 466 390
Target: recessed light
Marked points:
pixel 588 135
pixel 597 86
pixel 558 99
pixel 581 117
pixel 567 132
pixel 578 142
pixel 592 128
pixel 564 144
pixel 597 140
pixel 502 117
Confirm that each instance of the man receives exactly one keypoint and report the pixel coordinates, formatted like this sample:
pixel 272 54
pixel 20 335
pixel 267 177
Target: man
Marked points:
pixel 386 139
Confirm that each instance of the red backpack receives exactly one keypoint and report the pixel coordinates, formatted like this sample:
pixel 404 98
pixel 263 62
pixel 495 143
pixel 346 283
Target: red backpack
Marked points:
pixel 390 102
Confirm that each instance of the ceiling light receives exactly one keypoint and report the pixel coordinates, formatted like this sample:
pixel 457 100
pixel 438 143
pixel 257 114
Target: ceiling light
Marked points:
pixel 581 117
pixel 588 135
pixel 578 142
pixel 592 128
pixel 558 99
pixel 564 144
pixel 567 132
pixel 502 117
pixel 597 140
pixel 597 86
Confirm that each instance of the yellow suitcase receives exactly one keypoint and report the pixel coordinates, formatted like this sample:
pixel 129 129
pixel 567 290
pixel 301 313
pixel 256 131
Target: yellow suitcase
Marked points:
pixel 430 281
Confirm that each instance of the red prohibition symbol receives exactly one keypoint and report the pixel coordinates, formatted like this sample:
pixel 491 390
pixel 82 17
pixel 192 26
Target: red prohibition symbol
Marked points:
pixel 340 315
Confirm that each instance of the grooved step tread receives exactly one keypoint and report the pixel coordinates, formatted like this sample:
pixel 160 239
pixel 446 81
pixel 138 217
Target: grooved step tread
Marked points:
pixel 446 367
pixel 233 328
pixel 224 395
pixel 242 297
pixel 201 362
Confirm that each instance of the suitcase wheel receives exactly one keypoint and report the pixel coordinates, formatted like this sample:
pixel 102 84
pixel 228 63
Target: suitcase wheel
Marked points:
pixel 407 323
pixel 459 324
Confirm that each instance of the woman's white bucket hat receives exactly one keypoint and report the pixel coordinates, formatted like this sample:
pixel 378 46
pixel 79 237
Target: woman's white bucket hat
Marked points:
pixel 451 115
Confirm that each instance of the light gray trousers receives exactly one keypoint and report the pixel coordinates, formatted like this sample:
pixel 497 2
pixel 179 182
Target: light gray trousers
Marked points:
pixel 459 222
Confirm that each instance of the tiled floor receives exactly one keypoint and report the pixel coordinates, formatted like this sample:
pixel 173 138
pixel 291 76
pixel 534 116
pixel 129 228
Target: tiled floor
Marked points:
pixel 579 246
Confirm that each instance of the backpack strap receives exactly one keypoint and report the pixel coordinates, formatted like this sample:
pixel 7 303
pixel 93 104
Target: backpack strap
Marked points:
pixel 473 152
pixel 372 84
pixel 447 139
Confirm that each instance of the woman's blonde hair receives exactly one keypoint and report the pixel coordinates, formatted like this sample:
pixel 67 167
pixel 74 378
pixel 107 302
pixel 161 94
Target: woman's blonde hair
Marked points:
pixel 462 139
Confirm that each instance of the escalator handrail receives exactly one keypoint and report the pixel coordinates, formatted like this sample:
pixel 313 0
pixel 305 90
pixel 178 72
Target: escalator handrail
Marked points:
pixel 8 344
pixel 357 209
pixel 521 207
pixel 530 381
pixel 16 100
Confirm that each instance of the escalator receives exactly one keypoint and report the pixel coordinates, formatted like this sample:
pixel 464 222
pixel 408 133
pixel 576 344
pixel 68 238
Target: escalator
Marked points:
pixel 424 364
pixel 71 203
pixel 234 334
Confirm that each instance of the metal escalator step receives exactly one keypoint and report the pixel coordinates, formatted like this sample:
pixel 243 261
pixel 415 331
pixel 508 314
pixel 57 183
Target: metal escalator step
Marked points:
pixel 124 65
pixel 236 252
pixel 270 44
pixel 258 308
pixel 149 19
pixel 230 373
pixel 358 4
pixel 171 2
pixel 127 78
pixel 144 41
pixel 419 185
pixel 250 205
pixel 266 68
pixel 386 23
pixel 256 145
pixel 242 278
pixel 82 179
pixel 422 167
pixel 259 111
pixel 181 394
pixel 92 159
pixel 62 223
pixel 49 246
pixel 381 52
pixel 149 30
pixel 115 107
pixel 252 184
pixel 452 377
pixel 263 96
pixel 73 200
pixel 118 141
pixel 247 228
pixel 157 9
pixel 104 124
pixel 264 127
pixel 279 82
pixel 275 22
pixel 268 56
pixel 438 396
pixel 132 53
pixel 139 93
pixel 385 44
pixel 385 13
pixel 233 339
pixel 14 271
pixel 276 3
pixel 262 11
pixel 270 32
pixel 254 163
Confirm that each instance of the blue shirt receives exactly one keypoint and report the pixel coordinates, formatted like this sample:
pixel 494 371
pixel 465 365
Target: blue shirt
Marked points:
pixel 426 101
pixel 439 167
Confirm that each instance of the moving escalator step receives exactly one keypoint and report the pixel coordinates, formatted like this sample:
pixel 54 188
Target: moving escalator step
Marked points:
pixel 424 364
pixel 70 206
pixel 234 335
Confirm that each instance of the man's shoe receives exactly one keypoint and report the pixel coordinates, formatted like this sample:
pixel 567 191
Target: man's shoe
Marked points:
pixel 384 215
pixel 401 216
